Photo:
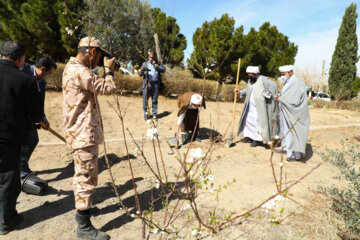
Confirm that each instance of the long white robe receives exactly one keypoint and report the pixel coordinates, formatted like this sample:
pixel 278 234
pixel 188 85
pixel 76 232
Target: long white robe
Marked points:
pixel 258 111
pixel 252 127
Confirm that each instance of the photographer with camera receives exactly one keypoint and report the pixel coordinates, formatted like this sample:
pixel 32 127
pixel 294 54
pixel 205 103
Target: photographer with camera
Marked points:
pixel 82 125
pixel 151 72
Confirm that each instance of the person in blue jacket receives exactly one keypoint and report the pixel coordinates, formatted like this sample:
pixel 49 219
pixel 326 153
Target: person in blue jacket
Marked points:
pixel 151 72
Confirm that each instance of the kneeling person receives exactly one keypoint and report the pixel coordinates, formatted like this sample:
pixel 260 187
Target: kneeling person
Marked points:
pixel 189 104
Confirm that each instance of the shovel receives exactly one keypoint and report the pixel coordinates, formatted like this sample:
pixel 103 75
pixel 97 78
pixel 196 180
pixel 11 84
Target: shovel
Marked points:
pixel 67 157
pixel 42 124
pixel 230 141
pixel 173 141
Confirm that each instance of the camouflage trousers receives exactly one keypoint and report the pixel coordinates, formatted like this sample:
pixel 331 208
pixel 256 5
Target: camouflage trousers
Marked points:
pixel 86 176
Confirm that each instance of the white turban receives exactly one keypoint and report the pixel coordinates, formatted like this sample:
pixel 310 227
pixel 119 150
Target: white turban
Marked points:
pixel 252 69
pixel 286 68
pixel 196 99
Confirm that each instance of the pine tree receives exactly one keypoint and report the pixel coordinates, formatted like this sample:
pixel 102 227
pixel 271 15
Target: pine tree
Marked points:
pixel 70 21
pixel 172 42
pixel 344 59
pixel 268 49
pixel 218 43
pixel 35 24
pixel 212 46
pixel 40 21
pixel 13 26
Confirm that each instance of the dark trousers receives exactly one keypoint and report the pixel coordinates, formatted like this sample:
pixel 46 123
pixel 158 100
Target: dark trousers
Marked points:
pixel 27 149
pixel 189 123
pixel 153 92
pixel 10 185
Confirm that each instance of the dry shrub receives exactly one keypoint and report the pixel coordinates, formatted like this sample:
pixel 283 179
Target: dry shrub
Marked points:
pixel 54 83
pixel 177 81
pixel 312 79
pixel 352 105
pixel 127 84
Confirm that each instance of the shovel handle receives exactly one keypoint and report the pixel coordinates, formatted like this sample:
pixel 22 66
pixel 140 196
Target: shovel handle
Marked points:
pixel 176 133
pixel 235 95
pixel 53 132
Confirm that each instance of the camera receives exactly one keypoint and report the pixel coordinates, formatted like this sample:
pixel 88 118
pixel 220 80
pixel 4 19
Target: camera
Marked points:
pixel 117 64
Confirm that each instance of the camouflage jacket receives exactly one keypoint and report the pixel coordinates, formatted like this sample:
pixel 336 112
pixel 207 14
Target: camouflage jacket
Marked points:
pixel 81 116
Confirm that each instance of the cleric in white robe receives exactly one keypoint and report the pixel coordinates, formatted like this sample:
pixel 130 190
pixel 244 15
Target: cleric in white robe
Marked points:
pixel 294 109
pixel 258 115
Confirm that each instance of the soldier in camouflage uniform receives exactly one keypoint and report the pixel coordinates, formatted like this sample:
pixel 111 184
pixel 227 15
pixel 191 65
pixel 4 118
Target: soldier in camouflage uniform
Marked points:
pixel 82 125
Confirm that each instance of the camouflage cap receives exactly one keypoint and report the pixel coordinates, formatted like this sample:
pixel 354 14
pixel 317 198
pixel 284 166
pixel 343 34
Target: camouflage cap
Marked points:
pixel 93 42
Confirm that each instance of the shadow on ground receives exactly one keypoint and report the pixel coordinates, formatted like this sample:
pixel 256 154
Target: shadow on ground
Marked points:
pixel 51 209
pixel 145 204
pixel 68 171
pixel 163 114
pixel 207 133
pixel 66 204
pixel 308 153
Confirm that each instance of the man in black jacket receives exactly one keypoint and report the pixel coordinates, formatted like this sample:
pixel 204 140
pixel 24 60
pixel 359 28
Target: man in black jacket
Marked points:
pixel 19 100
pixel 40 72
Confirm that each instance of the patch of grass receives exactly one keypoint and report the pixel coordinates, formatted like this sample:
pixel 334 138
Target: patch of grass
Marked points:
pixel 317 221
pixel 346 199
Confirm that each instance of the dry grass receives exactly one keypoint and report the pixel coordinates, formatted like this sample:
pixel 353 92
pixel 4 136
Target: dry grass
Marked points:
pixel 176 80
pixel 317 221
pixel 55 82
pixel 312 79
pixel 352 105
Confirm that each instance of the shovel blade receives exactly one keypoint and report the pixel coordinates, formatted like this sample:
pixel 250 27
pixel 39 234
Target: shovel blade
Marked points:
pixel 230 141
pixel 173 141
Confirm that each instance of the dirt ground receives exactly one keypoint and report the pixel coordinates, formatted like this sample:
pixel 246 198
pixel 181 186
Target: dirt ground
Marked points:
pixel 52 216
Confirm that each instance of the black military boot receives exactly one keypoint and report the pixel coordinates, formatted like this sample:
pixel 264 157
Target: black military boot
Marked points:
pixel 86 230
pixel 196 137
pixel 183 138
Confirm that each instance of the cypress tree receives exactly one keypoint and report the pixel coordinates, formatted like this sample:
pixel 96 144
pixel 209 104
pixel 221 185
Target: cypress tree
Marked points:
pixel 343 64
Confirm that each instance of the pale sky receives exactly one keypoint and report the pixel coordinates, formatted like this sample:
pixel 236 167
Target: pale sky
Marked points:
pixel 313 25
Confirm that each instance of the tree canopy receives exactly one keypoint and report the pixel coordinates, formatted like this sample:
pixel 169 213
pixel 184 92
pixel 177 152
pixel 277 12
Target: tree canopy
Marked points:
pixel 33 23
pixel 218 45
pixel 125 27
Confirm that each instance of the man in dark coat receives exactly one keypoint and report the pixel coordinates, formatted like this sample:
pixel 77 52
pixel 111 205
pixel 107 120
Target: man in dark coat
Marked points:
pixel 189 104
pixel 19 101
pixel 40 72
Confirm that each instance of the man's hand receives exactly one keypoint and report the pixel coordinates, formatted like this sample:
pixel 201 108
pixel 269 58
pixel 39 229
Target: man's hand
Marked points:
pixel 109 64
pixel 44 124
pixel 237 91
pixel 276 97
